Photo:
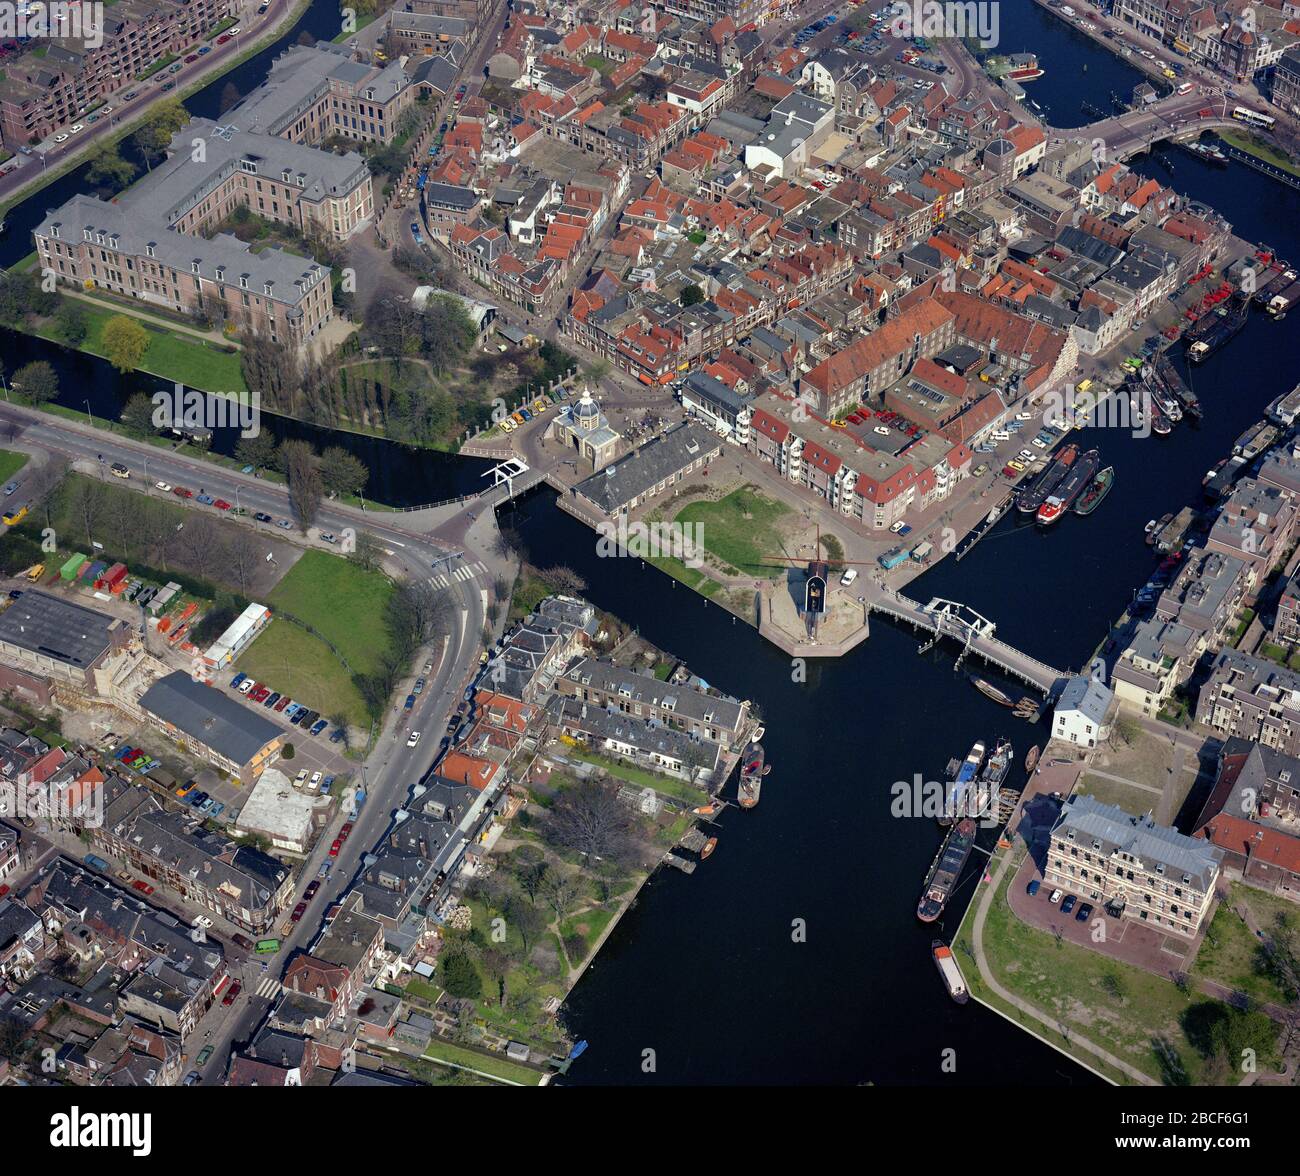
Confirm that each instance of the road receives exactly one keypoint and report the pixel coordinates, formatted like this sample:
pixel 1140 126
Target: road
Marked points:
pixel 392 767
pixel 253 27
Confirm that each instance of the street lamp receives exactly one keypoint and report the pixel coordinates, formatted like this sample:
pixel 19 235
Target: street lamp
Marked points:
pixel 90 416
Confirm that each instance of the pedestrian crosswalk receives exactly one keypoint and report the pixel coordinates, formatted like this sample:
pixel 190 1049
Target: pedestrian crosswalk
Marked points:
pixel 458 575
pixel 268 988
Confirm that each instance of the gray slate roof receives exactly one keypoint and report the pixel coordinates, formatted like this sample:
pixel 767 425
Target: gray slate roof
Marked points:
pixel 206 714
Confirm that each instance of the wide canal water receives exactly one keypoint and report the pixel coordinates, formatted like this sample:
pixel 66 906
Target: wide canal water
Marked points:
pixel 705 970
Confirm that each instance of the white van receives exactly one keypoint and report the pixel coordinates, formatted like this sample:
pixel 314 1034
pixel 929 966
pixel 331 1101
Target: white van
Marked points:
pixel 849 576
pixel 1001 435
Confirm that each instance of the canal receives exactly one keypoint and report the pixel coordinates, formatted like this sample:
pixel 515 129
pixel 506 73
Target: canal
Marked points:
pixel 705 970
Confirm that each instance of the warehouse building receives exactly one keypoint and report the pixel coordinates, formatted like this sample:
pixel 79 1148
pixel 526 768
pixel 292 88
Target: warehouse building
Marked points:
pixel 55 638
pixel 211 724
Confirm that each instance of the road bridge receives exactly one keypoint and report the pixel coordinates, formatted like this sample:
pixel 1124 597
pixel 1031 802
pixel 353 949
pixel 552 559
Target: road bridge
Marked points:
pixel 975 634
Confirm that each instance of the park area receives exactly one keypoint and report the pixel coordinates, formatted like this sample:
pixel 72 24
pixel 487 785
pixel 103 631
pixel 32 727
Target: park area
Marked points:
pixel 328 627
pixel 1173 1033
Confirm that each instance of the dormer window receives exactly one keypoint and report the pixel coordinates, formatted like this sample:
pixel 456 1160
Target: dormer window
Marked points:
pixel 284 175
pixel 243 281
pixel 150 247
pixel 194 266
pixel 266 288
pixel 54 229
pixel 221 273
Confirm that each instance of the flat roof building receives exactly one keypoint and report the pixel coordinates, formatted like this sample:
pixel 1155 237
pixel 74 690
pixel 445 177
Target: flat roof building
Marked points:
pixel 58 638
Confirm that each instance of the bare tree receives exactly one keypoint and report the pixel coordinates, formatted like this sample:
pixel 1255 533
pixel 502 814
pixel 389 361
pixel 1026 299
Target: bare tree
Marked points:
pixel 89 500
pixel 195 544
pixel 589 819
pixel 242 554
pixel 560 889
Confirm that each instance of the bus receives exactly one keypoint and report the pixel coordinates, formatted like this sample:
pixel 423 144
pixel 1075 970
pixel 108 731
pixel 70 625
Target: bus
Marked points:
pixel 1251 118
pixel 15 514
pixel 267 946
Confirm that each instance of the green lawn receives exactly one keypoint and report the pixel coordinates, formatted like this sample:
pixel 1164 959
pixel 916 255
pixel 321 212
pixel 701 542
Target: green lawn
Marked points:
pixel 304 667
pixel 344 603
pixel 173 355
pixel 495 1064
pixel 642 777
pixel 1230 953
pixel 1120 1008
pixel 10 464
pixel 740 529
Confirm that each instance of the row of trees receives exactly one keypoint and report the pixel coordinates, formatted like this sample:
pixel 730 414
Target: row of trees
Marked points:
pixel 416 614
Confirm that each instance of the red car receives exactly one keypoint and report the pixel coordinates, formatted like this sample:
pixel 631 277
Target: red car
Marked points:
pixel 233 992
pixel 284 701
pixel 221 504
pixel 182 492
pixel 142 887
pixel 298 912
pixel 261 694
pixel 192 57
pixel 343 833
pixel 221 40
pixel 334 849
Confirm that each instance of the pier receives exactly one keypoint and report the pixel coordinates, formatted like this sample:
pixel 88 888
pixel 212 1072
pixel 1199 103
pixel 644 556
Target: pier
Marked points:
pixel 948 618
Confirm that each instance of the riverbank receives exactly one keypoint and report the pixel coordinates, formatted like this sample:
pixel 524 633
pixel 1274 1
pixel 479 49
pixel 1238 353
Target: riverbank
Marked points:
pixel 197 82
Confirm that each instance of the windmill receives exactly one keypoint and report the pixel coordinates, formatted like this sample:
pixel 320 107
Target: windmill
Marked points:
pixel 818 576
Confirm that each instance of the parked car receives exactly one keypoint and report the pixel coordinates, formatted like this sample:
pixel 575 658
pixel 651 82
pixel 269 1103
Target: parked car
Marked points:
pixel 205 1053
pixel 414 739
pixel 206 499
pixel 181 492
pixel 334 849
pixel 1033 886
pixel 142 886
pixel 202 921
pixel 1055 896
pixel 298 912
pixel 1068 904
pixel 221 504
pixel 314 782
pixel 242 941
pixel 283 703
pixel 262 517
pixel 1084 912
pixel 233 991
pixel 285 523
pixel 319 725
pixel 272 700
pixel 346 831
pixel 236 680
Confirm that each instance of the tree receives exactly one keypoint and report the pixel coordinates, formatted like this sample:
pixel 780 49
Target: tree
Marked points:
pixel 108 169
pixel 38 382
pixel 125 342
pixel 341 472
pixel 459 976
pixel 368 554
pixel 589 819
pixel 244 557
pixel 560 889
pixel 691 295
pixel 87 506
pixel 257 451
pixel 71 322
pixel 137 416
pixel 154 137
pixel 302 468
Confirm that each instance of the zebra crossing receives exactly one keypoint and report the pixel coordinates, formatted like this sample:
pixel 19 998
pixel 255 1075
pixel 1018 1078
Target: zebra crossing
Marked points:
pixel 268 988
pixel 458 576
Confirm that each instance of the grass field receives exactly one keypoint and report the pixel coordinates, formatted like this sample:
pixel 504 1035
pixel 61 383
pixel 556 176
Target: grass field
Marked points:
pixel 740 529
pixel 668 785
pixel 173 355
pixel 345 605
pixel 1230 952
pixel 488 1063
pixel 10 464
pixel 294 662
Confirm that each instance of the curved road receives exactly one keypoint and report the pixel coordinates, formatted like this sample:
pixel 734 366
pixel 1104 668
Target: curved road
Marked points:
pixel 391 768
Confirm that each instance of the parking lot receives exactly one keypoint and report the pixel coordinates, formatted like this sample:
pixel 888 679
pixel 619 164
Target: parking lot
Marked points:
pixel 1125 939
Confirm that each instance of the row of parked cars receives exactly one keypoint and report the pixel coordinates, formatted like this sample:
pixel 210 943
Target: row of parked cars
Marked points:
pixel 200 801
pixel 1067 901
pixel 297 714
